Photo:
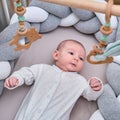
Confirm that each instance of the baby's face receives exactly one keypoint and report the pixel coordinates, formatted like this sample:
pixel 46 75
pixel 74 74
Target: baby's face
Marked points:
pixel 70 57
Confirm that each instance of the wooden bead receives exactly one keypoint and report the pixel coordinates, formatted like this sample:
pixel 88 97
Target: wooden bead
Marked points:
pixel 20 11
pixel 106 30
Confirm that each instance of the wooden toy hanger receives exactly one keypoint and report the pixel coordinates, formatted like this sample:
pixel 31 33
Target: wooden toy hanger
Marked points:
pixel 30 34
pixel 91 5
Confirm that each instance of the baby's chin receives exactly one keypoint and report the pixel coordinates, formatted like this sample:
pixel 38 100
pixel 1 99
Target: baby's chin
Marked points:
pixel 69 69
pixel 73 70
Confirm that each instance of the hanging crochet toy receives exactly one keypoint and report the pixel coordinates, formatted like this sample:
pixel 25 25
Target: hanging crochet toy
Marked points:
pixel 100 53
pixel 30 34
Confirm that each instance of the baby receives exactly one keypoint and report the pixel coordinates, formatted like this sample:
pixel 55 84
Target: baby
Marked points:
pixel 57 87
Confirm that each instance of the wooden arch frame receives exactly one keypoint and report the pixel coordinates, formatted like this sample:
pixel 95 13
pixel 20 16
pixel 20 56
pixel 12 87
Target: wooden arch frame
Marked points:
pixel 89 5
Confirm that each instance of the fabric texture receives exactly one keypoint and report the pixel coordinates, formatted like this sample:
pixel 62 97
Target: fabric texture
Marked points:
pixel 1 86
pixel 49 94
pixel 105 100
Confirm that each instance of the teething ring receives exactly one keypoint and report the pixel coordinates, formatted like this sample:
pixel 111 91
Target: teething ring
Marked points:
pixel 92 54
pixel 22 33
pixel 31 36
pixel 106 30
pixel 96 50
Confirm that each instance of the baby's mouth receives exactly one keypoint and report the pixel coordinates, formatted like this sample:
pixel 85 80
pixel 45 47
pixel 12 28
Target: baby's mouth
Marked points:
pixel 73 64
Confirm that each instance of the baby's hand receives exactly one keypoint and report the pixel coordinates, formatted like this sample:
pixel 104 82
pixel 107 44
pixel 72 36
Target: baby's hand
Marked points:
pixel 95 84
pixel 11 82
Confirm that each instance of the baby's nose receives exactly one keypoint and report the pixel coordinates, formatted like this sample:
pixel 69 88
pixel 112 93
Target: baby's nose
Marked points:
pixel 76 58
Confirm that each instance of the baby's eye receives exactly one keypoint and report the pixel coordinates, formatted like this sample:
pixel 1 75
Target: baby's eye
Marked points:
pixel 81 59
pixel 71 53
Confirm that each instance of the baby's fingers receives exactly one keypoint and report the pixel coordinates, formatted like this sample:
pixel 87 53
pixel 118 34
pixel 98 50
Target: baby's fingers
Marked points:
pixel 96 86
pixel 10 82
pixel 6 84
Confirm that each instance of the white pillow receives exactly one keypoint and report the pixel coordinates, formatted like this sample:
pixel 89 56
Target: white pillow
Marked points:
pixel 69 20
pixel 96 116
pixel 5 69
pixel 33 14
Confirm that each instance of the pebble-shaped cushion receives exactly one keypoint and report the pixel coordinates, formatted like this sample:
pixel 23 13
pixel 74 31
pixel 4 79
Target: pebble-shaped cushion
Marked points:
pixel 89 27
pixel 50 24
pixel 33 14
pixel 57 10
pixel 70 20
pixel 83 14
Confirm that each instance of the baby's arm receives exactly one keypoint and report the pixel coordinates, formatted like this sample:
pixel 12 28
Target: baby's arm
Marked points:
pixel 94 89
pixel 11 82
pixel 25 75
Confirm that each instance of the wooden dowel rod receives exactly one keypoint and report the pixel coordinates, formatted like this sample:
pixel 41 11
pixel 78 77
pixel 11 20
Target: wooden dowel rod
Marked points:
pixel 87 5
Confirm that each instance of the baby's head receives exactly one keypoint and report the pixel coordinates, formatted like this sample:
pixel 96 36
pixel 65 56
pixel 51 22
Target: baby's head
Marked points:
pixel 70 56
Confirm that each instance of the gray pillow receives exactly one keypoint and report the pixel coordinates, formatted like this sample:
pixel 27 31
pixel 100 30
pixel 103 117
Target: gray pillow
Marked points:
pixel 57 10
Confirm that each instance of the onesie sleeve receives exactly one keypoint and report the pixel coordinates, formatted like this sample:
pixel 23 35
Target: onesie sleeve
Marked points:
pixel 90 94
pixel 27 75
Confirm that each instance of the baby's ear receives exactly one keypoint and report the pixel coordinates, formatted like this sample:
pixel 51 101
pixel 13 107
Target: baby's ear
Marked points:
pixel 55 54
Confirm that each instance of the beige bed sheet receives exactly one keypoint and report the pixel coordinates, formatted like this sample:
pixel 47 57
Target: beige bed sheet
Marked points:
pixel 40 52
